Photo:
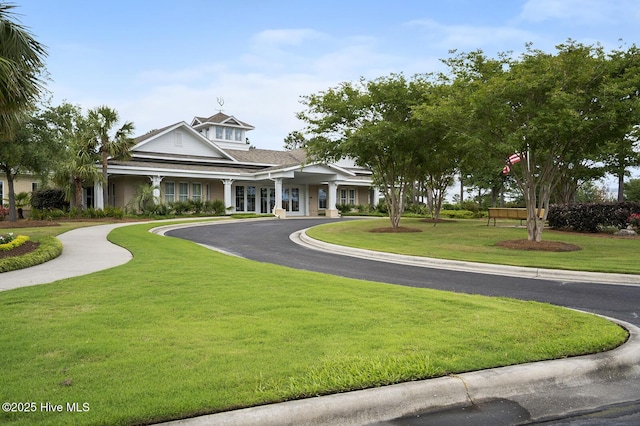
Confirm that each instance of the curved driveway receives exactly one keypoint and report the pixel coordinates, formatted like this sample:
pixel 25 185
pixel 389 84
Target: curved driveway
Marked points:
pixel 268 241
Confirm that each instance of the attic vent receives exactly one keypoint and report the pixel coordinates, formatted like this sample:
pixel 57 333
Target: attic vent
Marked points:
pixel 177 138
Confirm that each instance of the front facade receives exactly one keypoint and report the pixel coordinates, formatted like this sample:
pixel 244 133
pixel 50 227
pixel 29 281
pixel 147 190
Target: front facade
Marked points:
pixel 210 159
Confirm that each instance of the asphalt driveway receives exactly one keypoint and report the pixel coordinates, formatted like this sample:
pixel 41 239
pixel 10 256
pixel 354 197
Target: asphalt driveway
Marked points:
pixel 268 241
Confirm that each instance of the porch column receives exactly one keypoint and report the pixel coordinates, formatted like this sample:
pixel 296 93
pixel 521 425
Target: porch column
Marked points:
pixel 98 199
pixel 227 194
pixel 332 196
pixel 155 184
pixel 278 211
pixel 376 197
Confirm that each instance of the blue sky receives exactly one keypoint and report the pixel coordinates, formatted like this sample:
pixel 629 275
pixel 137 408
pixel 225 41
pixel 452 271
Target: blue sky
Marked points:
pixel 159 62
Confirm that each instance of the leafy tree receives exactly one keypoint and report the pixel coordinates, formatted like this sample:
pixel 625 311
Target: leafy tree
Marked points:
pixel 21 65
pixel 294 140
pixel 372 123
pixel 79 159
pixel 621 110
pixel 107 141
pixel 632 190
pixel 34 148
pixel 550 109
pixel 473 119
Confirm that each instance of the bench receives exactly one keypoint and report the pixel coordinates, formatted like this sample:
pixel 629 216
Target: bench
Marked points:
pixel 508 213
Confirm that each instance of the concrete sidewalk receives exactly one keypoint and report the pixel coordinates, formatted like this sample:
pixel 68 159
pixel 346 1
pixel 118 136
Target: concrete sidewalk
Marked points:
pixel 543 390
pixel 84 250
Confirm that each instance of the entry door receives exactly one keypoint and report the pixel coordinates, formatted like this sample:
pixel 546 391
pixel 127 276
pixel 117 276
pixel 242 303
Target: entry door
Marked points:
pixel 267 199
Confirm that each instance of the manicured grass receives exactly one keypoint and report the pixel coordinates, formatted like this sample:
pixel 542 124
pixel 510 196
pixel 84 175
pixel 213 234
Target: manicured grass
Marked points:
pixel 472 240
pixel 182 330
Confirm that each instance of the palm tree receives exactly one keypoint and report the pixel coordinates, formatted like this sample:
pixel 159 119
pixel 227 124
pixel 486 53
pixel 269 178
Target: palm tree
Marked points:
pixel 101 122
pixel 78 169
pixel 21 62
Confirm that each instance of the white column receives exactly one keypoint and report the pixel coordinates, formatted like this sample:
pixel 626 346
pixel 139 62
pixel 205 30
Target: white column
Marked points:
pixel 332 196
pixel 376 197
pixel 98 199
pixel 278 211
pixel 227 194
pixel 155 184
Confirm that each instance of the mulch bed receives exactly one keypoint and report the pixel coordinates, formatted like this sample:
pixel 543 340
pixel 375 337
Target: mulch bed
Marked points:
pixel 392 230
pixel 554 246
pixel 26 247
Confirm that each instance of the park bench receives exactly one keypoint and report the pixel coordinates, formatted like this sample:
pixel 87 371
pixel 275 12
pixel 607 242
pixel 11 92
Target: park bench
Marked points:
pixel 508 213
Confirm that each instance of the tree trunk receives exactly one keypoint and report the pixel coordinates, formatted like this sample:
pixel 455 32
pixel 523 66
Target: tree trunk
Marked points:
pixel 78 193
pixel 621 186
pixel 12 196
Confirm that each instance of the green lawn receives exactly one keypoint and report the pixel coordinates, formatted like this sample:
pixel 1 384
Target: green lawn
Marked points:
pixel 182 330
pixel 472 240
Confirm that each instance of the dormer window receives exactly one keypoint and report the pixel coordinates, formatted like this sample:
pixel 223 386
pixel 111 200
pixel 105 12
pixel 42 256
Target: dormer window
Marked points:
pixel 238 135
pixel 219 132
pixel 228 134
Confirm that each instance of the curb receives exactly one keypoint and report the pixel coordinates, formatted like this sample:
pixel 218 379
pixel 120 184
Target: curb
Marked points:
pixel 303 239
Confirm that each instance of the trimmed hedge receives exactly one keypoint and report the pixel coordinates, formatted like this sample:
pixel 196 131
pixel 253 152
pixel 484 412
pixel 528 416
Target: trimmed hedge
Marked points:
pixel 591 217
pixel 49 248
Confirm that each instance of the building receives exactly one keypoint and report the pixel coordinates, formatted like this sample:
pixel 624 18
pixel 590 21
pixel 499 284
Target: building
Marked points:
pixel 210 159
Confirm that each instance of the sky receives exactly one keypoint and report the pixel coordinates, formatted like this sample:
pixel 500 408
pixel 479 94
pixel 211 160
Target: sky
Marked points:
pixel 160 62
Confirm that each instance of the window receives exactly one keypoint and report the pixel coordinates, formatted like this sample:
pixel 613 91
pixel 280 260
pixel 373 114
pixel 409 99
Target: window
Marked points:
pixel 218 132
pixel 183 191
pixel 295 199
pixel 239 198
pixel 196 192
pixel 1 193
pixel 34 186
pixel 322 198
pixel 251 198
pixel 238 135
pixel 343 196
pixel 352 197
pixel 169 192
pixel 228 134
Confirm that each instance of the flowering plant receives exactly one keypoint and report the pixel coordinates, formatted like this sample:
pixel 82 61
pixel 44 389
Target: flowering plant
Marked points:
pixel 634 220
pixel 6 238
pixel 4 212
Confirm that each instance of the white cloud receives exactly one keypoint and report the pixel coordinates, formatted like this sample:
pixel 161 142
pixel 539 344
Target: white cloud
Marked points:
pixel 586 12
pixel 284 37
pixel 466 37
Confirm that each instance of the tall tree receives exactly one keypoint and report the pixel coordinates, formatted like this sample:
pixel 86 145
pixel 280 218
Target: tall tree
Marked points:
pixel 370 122
pixel 78 166
pixel 549 109
pixel 21 65
pixel 34 149
pixel 108 141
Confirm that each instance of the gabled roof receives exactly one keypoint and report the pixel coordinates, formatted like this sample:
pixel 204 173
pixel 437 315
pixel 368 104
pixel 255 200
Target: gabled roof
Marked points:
pixel 221 118
pixel 150 136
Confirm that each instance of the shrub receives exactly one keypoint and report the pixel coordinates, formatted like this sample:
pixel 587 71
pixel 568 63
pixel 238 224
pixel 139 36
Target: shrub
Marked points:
pixel 40 214
pixel 344 208
pixel 591 217
pixel 4 212
pixel 180 207
pixel 49 199
pixel 215 207
pixel 457 214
